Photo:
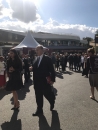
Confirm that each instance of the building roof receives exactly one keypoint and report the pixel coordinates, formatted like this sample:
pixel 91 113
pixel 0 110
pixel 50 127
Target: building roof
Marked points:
pixel 45 35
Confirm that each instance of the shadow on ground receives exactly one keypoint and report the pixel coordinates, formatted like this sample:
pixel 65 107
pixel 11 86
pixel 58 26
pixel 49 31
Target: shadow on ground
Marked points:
pixel 59 75
pixel 55 123
pixel 68 72
pixel 3 93
pixel 14 124
pixel 23 92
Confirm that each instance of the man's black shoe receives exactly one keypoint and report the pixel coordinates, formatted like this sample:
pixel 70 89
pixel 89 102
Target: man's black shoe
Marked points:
pixel 51 106
pixel 38 112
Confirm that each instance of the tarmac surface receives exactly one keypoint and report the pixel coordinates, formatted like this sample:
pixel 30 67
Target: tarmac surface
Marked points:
pixel 74 110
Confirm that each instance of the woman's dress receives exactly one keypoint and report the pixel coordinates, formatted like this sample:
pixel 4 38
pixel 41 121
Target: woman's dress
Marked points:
pixel 15 78
pixel 93 77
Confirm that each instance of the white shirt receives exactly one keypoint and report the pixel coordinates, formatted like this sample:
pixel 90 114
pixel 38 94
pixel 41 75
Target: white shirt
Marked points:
pixel 82 59
pixel 40 59
pixel 2 69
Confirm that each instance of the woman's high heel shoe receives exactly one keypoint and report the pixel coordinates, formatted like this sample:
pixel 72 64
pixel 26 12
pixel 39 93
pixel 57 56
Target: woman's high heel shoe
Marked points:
pixel 16 108
pixel 13 108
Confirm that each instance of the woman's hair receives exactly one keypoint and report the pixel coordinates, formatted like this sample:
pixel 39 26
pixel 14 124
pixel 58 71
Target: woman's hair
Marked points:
pixel 91 50
pixel 1 57
pixel 16 57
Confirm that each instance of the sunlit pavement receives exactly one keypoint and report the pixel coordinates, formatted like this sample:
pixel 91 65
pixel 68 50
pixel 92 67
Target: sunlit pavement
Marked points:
pixel 74 110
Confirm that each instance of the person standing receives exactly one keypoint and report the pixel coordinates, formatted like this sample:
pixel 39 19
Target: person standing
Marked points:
pixel 82 61
pixel 79 61
pixel 63 63
pixel 2 72
pixel 85 72
pixel 14 83
pixel 93 76
pixel 43 77
pixel 70 58
pixel 75 61
pixel 26 68
pixel 57 62
pixel 66 59
pixel 53 58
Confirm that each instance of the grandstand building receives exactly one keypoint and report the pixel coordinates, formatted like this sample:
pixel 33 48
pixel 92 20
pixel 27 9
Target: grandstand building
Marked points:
pixel 55 42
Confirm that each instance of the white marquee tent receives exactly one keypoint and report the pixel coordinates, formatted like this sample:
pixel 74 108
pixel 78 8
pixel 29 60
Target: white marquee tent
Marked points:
pixel 28 42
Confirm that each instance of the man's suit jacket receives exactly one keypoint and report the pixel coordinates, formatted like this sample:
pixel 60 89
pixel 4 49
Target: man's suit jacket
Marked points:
pixel 44 70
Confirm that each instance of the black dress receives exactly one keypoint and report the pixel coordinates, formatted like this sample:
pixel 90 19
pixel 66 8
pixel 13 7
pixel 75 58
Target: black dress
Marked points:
pixel 15 78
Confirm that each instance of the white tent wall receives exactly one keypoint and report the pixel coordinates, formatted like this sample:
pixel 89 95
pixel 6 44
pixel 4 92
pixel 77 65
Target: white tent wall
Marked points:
pixel 29 43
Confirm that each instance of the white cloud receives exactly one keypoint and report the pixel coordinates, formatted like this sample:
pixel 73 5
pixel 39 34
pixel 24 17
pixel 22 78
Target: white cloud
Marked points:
pixel 23 16
pixel 38 25
pixel 4 12
pixel 23 10
pixel 1 7
pixel 56 27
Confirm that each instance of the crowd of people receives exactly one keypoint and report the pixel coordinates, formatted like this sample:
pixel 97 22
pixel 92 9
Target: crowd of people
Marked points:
pixel 43 68
pixel 77 62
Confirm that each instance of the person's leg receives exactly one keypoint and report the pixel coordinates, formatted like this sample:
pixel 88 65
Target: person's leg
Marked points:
pixel 79 67
pixel 57 68
pixel 15 97
pixel 26 76
pixel 72 66
pixel 49 95
pixel 82 66
pixel 39 99
pixel 54 66
pixel 69 65
pixel 75 66
pixel 92 93
pixel 63 67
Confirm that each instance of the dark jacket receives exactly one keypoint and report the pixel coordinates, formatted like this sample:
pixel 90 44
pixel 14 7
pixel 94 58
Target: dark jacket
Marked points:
pixel 16 64
pixel 70 59
pixel 26 64
pixel 53 59
pixel 75 59
pixel 44 70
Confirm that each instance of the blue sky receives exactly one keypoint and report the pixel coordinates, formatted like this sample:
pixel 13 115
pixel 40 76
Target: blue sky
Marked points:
pixel 72 11
pixel 55 16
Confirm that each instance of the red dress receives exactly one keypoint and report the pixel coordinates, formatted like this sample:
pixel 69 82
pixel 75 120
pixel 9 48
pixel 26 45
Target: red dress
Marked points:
pixel 2 80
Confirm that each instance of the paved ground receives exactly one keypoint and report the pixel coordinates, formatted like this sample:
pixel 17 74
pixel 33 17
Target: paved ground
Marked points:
pixel 73 109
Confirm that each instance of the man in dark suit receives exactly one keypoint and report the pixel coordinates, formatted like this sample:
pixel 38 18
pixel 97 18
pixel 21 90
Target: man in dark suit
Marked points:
pixel 43 77
pixel 75 60
pixel 26 68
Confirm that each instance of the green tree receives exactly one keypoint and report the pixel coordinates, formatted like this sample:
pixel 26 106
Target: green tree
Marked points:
pixel 88 39
pixel 96 31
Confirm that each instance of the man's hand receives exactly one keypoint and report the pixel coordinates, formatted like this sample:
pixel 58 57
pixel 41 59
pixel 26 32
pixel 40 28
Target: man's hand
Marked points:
pixel 31 68
pixel 51 83
pixel 11 69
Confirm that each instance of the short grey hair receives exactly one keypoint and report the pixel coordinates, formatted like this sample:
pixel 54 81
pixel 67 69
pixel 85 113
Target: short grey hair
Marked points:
pixel 40 46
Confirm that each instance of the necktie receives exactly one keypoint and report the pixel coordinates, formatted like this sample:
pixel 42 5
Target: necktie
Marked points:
pixel 38 59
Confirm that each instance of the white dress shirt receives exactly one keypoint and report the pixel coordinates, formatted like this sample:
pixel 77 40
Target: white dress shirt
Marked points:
pixel 82 59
